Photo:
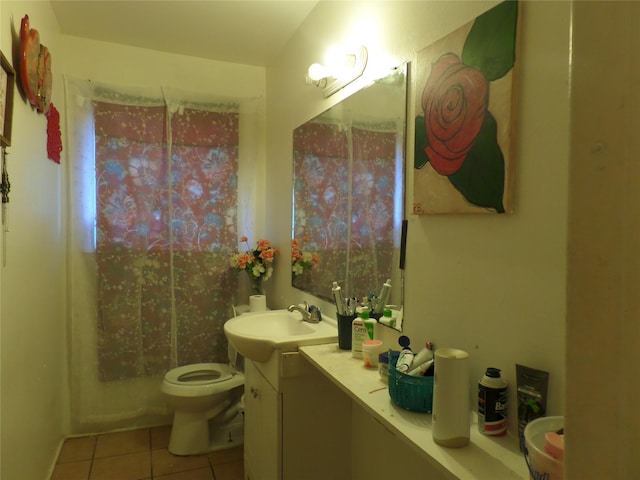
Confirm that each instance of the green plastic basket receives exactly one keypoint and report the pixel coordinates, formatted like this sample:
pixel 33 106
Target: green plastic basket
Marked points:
pixel 409 392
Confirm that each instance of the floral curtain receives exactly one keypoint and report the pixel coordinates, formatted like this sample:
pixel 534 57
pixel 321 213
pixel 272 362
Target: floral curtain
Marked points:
pixel 345 188
pixel 154 209
pixel 160 233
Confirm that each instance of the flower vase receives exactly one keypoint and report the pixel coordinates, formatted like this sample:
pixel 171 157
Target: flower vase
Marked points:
pixel 257 299
pixel 256 286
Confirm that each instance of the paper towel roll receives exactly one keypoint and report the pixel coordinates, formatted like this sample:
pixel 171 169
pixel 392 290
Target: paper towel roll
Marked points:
pixel 451 421
pixel 258 303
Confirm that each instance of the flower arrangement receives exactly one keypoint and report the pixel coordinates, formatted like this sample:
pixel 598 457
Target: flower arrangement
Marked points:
pixel 301 261
pixel 257 262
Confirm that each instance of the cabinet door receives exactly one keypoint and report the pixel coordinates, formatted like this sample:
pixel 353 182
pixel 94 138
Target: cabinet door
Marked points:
pixel 262 451
pixel 316 429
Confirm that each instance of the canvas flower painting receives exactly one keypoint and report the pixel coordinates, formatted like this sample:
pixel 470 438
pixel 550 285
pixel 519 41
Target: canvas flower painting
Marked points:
pixel 463 154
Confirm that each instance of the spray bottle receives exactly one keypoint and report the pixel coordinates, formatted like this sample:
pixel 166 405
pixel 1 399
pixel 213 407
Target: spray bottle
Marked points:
pixel 492 403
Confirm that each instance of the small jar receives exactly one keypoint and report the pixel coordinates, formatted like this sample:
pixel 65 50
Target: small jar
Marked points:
pixel 370 351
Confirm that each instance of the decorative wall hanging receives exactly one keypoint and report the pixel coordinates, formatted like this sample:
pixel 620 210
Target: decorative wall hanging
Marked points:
pixel 44 80
pixel 35 67
pixel 7 81
pixel 36 81
pixel 29 54
pixel 54 137
pixel 5 187
pixel 464 129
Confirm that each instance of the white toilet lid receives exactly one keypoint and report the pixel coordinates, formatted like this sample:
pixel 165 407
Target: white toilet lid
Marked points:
pixel 199 374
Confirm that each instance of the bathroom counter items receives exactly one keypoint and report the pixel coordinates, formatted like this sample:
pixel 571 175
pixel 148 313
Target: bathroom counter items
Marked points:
pixel 484 457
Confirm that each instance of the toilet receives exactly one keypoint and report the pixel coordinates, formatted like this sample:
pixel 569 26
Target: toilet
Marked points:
pixel 207 403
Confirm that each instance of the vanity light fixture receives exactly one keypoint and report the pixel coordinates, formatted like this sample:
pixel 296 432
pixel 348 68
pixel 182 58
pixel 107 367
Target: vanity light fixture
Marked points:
pixel 340 71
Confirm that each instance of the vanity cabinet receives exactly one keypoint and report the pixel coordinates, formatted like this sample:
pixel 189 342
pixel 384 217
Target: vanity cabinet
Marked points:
pixel 297 424
pixel 391 442
pixel 262 417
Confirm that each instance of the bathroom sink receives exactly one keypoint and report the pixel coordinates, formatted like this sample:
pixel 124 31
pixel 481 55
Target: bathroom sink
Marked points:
pixel 257 335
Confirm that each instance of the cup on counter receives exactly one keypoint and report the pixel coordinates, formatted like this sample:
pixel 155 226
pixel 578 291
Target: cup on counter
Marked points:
pixel 344 330
pixel 371 349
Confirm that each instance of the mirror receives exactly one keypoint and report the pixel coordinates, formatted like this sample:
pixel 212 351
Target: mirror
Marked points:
pixel 348 192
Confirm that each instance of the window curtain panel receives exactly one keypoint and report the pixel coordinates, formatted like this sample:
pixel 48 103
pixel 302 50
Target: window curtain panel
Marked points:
pixel 345 192
pixel 154 208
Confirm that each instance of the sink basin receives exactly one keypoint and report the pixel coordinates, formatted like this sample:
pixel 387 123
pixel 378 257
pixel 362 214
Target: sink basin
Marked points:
pixel 257 335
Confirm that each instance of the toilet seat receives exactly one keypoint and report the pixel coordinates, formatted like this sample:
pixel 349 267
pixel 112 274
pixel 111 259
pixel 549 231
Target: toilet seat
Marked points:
pixel 199 374
pixel 201 379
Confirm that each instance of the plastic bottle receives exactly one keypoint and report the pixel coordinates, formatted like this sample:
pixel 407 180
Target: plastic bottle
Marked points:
pixel 423 355
pixel 383 298
pixel 388 319
pixel 492 403
pixel 336 292
pixel 383 366
pixel 358 334
pixel 406 355
pixel 422 361
pixel 369 324
pixel 420 369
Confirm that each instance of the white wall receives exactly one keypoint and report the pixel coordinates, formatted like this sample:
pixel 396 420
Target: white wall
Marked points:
pixel 493 285
pixel 603 330
pixel 33 344
pixel 123 65
pixel 35 404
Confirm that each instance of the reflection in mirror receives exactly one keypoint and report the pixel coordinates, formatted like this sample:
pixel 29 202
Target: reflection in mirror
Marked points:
pixel 348 192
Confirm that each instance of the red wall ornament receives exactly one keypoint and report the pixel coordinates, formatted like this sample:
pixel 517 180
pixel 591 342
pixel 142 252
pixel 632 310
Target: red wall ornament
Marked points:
pixel 36 81
pixel 54 137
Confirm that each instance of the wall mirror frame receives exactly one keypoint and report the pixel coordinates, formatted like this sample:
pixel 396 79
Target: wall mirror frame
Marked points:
pixel 349 168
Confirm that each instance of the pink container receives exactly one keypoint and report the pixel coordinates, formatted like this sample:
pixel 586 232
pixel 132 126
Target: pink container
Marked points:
pixel 540 463
pixel 370 351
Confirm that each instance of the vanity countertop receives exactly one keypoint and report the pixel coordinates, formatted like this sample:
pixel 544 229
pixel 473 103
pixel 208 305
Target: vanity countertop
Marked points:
pixel 485 457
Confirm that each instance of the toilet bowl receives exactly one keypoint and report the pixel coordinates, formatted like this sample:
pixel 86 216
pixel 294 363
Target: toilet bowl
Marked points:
pixel 206 398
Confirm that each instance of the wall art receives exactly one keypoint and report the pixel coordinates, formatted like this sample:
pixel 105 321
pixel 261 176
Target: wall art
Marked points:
pixel 7 82
pixel 464 126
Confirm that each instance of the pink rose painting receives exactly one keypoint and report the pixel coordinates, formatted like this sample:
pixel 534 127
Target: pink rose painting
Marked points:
pixel 463 160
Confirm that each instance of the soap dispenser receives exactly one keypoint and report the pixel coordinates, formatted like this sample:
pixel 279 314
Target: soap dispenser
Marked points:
pixel 369 324
pixel 388 319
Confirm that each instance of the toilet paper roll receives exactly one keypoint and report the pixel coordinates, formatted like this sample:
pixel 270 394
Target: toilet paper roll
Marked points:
pixel 451 421
pixel 258 303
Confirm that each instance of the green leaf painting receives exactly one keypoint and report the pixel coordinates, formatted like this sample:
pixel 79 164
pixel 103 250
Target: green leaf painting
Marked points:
pixel 459 140
pixel 420 158
pixel 490 45
pixel 481 177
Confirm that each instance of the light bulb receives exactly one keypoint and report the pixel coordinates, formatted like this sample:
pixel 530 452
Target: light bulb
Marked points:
pixel 317 72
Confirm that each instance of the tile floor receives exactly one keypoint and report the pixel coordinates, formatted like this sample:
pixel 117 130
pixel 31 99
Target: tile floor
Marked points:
pixel 141 455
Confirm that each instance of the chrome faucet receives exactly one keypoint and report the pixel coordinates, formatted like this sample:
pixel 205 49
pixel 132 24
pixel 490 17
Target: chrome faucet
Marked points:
pixel 309 314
